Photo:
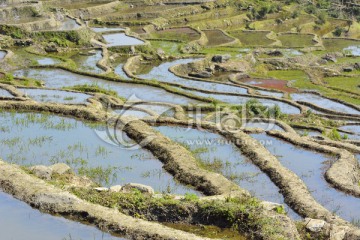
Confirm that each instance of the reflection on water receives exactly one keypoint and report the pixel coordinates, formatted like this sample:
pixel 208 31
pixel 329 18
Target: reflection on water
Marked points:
pixel 323 102
pixel 224 157
pixel 121 39
pixel 310 167
pixel 19 221
pixel 47 139
pixel 58 78
pixel 44 95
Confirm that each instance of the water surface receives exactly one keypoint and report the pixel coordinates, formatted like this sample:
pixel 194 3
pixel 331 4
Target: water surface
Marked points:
pixel 33 139
pixel 121 39
pixel 19 221
pixel 310 167
pixel 119 71
pixel 47 61
pixel 270 93
pixel 351 128
pixel 323 102
pixel 227 159
pixel 105 29
pixel 353 50
pixel 58 78
pixel 2 54
pixel 68 24
pixel 45 95
pixel 4 93
pixel 88 63
pixel 285 108
pixel 163 74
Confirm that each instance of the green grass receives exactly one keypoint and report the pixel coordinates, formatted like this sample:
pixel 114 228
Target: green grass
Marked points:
pixel 337 45
pixel 222 50
pixel 93 89
pixel 347 83
pixel 301 81
pixel 252 38
pixel 182 34
pixel 170 48
pixel 234 213
pixel 216 37
pixel 287 25
pixel 294 40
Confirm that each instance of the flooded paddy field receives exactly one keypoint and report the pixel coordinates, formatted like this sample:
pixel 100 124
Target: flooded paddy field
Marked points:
pixel 285 107
pixel 64 78
pixel 57 96
pixel 217 154
pixel 121 39
pixel 163 74
pixel 310 167
pixel 59 139
pixel 4 93
pixel 342 45
pixel 183 34
pixel 296 41
pixel 185 120
pixel 324 102
pixel 87 61
pixel 36 225
pixel 269 83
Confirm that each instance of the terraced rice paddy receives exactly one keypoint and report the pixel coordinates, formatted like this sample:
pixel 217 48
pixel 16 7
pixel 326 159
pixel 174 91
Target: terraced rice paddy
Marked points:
pixel 18 215
pixel 179 120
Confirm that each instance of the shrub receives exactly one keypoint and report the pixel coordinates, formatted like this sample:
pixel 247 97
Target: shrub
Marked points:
pixel 338 31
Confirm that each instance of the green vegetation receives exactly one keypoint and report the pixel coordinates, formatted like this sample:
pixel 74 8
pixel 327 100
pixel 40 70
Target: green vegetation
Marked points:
pixel 25 82
pixel 170 48
pixel 350 84
pixel 240 215
pixel 92 89
pixel 296 41
pixel 299 79
pixel 252 38
pixel 177 34
pixel 335 135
